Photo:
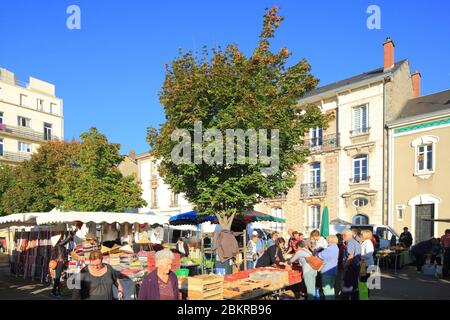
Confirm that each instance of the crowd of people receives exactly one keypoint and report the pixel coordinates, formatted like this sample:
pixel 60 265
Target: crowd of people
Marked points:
pixel 332 268
pixel 438 252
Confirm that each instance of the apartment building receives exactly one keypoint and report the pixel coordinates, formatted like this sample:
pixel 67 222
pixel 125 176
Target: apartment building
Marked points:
pixel 160 198
pixel 30 115
pixel 419 152
pixel 347 167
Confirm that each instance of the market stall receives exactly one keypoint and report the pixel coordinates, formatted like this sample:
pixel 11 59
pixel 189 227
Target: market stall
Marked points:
pixel 240 222
pixel 396 257
pixel 121 237
pixel 253 284
pixel 28 245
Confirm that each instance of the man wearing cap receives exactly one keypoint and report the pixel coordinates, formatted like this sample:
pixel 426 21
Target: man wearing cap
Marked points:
pixel 260 247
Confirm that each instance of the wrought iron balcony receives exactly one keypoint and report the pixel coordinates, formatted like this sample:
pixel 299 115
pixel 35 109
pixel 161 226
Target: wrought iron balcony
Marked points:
pixel 14 156
pixel 322 144
pixel 25 133
pixel 313 190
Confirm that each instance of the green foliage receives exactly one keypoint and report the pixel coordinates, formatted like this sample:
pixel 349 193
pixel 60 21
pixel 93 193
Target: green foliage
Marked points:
pixel 231 91
pixel 79 176
pixel 95 183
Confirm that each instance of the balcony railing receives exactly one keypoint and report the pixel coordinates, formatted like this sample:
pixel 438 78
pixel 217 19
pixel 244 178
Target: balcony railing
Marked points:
pixel 312 190
pixel 360 131
pixel 360 179
pixel 25 133
pixel 322 144
pixel 14 156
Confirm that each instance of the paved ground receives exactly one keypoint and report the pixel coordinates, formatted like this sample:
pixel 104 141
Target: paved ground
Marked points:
pixel 405 285
pixel 16 288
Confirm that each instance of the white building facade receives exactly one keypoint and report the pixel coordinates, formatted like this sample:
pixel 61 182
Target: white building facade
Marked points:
pixel 30 115
pixel 160 198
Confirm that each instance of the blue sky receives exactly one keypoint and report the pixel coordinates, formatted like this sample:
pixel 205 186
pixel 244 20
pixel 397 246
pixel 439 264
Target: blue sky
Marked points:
pixel 109 72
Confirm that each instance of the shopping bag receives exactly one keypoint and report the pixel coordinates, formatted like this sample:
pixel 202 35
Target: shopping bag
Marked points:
pixel 429 269
pixel 363 291
pixel 438 272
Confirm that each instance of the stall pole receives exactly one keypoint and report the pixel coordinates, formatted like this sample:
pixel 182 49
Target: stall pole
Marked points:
pixel 202 249
pixel 245 249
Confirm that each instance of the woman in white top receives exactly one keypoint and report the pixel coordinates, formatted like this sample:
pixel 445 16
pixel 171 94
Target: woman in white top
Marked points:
pixel 367 248
pixel 252 255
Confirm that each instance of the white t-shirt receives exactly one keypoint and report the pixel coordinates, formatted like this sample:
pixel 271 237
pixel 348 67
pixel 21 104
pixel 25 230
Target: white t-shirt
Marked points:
pixel 367 250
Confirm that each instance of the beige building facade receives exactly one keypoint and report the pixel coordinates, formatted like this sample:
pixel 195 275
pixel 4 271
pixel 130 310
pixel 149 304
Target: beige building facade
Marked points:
pixel 347 169
pixel 419 141
pixel 30 115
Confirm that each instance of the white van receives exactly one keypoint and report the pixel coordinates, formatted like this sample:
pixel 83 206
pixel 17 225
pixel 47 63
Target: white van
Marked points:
pixel 384 232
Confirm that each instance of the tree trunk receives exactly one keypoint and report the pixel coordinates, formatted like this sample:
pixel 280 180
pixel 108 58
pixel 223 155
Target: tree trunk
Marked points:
pixel 225 221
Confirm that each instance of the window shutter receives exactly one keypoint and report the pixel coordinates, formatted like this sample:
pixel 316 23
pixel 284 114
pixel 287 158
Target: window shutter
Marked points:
pixel 364 118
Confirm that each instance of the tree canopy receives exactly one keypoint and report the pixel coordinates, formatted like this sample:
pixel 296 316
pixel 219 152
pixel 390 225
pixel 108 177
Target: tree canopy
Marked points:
pixel 78 176
pixel 224 89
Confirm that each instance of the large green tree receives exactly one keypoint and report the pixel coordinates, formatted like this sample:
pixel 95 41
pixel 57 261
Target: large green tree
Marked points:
pixel 34 183
pixel 81 176
pixel 94 183
pixel 224 89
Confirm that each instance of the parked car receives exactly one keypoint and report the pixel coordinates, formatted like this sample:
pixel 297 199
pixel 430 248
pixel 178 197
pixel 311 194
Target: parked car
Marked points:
pixel 385 233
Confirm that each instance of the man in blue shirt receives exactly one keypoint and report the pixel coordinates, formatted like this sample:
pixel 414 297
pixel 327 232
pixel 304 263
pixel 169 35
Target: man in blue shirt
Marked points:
pixel 352 257
pixel 330 256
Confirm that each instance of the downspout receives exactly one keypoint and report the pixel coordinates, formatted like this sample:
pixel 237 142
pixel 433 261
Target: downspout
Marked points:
pixel 388 204
pixel 385 170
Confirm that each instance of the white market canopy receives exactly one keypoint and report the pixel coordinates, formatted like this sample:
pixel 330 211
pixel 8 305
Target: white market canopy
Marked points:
pixel 20 219
pixel 100 217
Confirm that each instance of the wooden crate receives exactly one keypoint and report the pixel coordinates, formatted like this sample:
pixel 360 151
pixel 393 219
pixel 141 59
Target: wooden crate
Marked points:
pixel 204 287
pixel 246 289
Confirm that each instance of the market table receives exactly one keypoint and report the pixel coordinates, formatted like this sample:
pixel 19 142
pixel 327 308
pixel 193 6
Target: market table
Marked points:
pixel 400 258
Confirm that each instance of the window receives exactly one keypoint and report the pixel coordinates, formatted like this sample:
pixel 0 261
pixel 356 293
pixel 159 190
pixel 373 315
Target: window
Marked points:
pixel 23 100
pixel 23 122
pixel 360 169
pixel 278 213
pixel 316 137
pixel 425 158
pixel 24 147
pixel 425 149
pixel 175 199
pixel 400 211
pixel 314 217
pixel 1 117
pixel 40 104
pixel 314 174
pixel 52 108
pixel 360 121
pixel 47 131
pixel 360 202
pixel 154 197
pixel 1 147
pixel 360 219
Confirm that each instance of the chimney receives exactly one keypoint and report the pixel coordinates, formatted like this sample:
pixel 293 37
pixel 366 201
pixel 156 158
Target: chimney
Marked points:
pixel 388 53
pixel 415 77
pixel 132 155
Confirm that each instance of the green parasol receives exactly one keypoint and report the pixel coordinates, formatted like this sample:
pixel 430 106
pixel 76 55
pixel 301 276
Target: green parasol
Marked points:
pixel 325 225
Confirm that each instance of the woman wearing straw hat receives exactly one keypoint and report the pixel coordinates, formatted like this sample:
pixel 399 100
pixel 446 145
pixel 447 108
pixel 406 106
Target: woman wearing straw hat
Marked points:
pixel 161 284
